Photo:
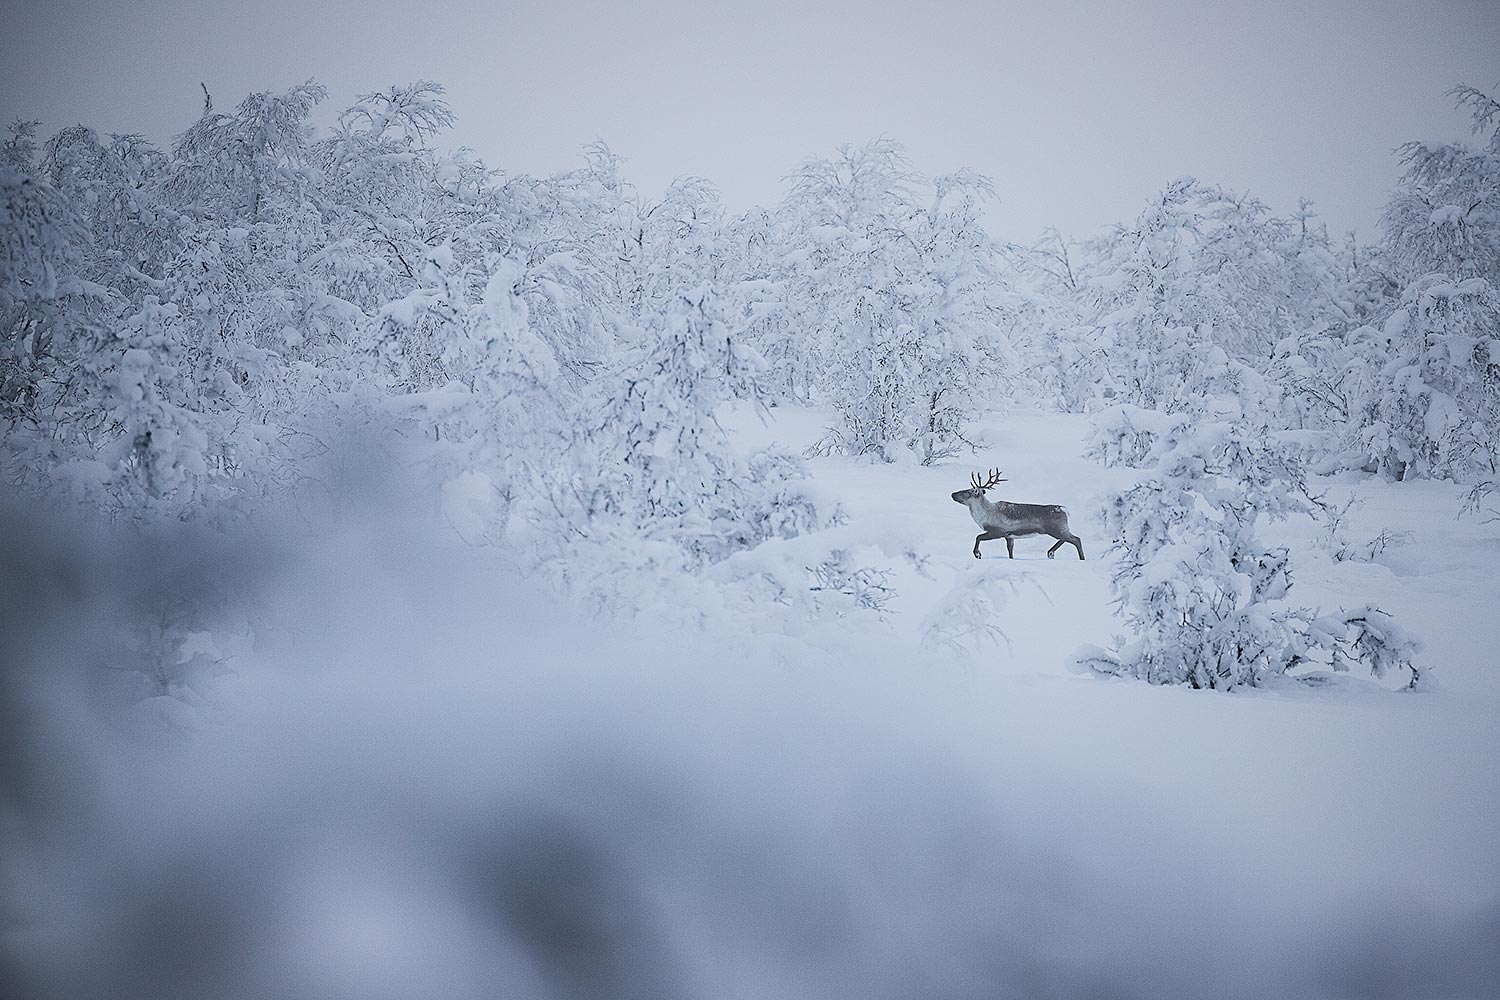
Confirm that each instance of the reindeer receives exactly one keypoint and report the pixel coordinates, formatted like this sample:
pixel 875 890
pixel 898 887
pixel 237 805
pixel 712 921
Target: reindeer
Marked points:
pixel 1003 519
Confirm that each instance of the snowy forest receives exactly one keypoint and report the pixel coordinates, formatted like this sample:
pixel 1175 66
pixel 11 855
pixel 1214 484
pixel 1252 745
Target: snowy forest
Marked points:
pixel 613 527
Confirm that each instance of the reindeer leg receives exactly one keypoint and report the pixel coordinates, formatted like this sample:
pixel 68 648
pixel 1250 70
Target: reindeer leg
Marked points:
pixel 985 536
pixel 1077 544
pixel 1052 552
pixel 1010 547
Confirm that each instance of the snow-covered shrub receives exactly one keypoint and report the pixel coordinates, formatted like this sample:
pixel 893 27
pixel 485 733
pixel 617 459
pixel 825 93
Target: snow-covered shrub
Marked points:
pixel 1365 637
pixel 1444 216
pixel 1204 598
pixel 1436 409
pixel 1335 539
pixel 898 299
pixel 1129 435
pixel 650 483
pixel 1187 296
pixel 854 586
pixel 466 375
pixel 1047 309
pixel 1327 383
pixel 967 619
pixel 1482 500
pixel 47 311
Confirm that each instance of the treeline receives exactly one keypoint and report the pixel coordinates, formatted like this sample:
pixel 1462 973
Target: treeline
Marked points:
pixel 1207 303
pixel 194 332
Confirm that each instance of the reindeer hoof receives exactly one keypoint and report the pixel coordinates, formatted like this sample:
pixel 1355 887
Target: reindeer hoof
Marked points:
pixel 977 556
pixel 1051 556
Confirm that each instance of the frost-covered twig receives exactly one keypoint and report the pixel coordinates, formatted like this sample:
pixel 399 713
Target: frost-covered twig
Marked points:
pixel 968 618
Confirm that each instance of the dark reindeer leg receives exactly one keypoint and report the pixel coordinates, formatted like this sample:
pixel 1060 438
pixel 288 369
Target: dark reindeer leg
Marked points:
pixel 986 536
pixel 1076 542
pixel 1010 547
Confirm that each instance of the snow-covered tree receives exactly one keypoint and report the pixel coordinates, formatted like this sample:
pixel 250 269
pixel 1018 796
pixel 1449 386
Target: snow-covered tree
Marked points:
pixel 677 245
pixel 157 461
pixel 1187 297
pixel 41 243
pixel 1204 598
pixel 650 465
pixel 52 318
pixel 477 395
pixel 1062 354
pixel 235 166
pixel 112 187
pixel 1435 408
pixel 770 304
pixel 899 297
pixel 1444 216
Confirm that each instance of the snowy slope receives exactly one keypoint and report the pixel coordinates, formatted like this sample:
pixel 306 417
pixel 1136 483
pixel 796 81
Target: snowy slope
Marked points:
pixel 1354 789
pixel 430 777
pixel 1444 581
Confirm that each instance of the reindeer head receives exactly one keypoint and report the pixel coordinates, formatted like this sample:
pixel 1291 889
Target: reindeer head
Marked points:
pixel 976 488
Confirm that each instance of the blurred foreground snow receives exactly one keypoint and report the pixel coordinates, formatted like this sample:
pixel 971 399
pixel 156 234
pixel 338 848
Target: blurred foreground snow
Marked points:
pixel 424 778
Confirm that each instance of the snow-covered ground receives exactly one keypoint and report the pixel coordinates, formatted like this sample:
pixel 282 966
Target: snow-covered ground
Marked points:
pixel 1444 580
pixel 429 778
pixel 1276 805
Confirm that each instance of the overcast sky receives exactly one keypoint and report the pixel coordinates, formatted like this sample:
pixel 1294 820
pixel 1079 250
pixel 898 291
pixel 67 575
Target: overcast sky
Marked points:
pixel 1079 111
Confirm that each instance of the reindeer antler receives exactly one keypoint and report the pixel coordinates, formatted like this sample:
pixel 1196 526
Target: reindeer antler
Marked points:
pixel 993 478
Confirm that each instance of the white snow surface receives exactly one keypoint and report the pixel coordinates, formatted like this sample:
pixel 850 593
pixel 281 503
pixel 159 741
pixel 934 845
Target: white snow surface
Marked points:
pixel 427 778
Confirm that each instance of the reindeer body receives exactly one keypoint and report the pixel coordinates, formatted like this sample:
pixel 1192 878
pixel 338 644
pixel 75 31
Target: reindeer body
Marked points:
pixel 1003 519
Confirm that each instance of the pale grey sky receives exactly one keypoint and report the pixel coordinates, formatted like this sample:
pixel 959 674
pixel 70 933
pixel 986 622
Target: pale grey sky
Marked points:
pixel 1079 111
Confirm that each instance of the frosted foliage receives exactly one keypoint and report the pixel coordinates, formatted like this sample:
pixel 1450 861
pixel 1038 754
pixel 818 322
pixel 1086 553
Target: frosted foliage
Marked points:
pixel 652 484
pixel 1047 313
pixel 1444 217
pixel 265 309
pixel 1204 599
pixel 478 378
pixel 1435 411
pixel 269 314
pixel 965 621
pixel 1434 408
pixel 898 296
pixel 41 246
pixel 1190 299
pixel 235 294
pixel 1130 435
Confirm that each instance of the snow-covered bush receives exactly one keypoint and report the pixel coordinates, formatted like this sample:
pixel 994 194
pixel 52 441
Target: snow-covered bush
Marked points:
pixel 47 311
pixel 1204 598
pixel 468 378
pixel 649 483
pixel 899 299
pixel 1060 354
pixel 1435 410
pixel 1444 216
pixel 1186 296
pixel 966 621
pixel 1335 539
pixel 1484 500
pixel 1129 435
